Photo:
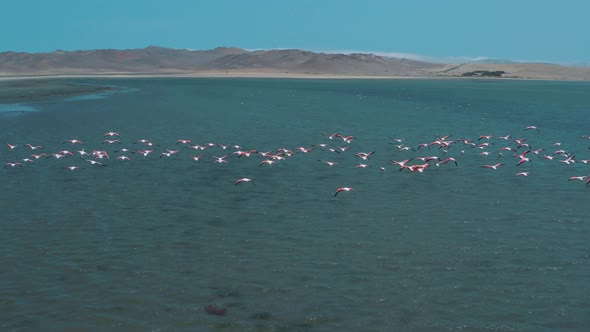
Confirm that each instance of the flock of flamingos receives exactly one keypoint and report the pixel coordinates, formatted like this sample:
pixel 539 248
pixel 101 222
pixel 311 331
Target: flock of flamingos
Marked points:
pixel 432 153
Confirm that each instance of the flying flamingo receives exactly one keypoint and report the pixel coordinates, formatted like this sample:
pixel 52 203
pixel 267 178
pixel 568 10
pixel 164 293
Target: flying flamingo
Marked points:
pixel 145 153
pixel 169 153
pixel 402 163
pixel 329 163
pixel 343 189
pixel 244 153
pixel 13 165
pixel 427 159
pixel 83 153
pixel 522 158
pixel 415 168
pixel 34 147
pixel 220 160
pixel 305 150
pixel 270 162
pixel 58 155
pixel 94 162
pixel 364 155
pixel 124 150
pixel 100 154
pixel 37 156
pixel 493 166
pixel 333 135
pixel 198 147
pixel 244 180
pixel 348 139
pixel 12 147
pixel 196 158
pixel 446 161
pixel 569 160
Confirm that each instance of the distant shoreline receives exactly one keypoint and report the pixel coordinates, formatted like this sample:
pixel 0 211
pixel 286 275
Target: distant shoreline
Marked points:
pixel 269 74
pixel 210 74
pixel 232 62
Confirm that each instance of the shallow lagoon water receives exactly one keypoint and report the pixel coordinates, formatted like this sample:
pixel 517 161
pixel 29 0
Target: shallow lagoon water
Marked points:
pixel 147 244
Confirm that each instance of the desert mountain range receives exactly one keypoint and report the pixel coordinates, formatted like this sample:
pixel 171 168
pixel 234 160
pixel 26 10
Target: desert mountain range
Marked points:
pixel 155 60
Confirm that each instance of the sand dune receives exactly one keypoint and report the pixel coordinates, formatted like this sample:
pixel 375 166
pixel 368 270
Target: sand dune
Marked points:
pixel 522 70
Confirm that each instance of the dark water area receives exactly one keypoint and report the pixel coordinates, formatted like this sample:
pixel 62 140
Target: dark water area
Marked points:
pixel 147 244
pixel 14 91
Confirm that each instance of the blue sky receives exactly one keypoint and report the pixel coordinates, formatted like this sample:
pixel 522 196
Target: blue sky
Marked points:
pixel 552 31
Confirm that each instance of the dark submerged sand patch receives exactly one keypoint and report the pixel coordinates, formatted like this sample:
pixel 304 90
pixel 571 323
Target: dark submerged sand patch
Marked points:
pixel 35 90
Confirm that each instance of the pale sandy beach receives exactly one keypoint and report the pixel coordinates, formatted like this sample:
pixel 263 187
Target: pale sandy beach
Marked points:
pixel 513 71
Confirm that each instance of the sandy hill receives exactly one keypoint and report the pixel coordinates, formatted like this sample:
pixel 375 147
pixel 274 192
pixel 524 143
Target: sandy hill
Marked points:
pixel 231 60
pixel 520 70
pixel 165 60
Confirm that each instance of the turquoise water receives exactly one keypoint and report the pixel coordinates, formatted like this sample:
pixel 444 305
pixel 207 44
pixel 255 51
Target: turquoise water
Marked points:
pixel 147 244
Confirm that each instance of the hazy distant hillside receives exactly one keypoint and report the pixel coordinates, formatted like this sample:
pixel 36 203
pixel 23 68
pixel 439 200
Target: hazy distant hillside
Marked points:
pixel 165 60
pixel 298 61
pixel 160 60
pixel 147 60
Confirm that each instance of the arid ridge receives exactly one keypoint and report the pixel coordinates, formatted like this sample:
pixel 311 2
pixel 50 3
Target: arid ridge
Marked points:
pixel 155 60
